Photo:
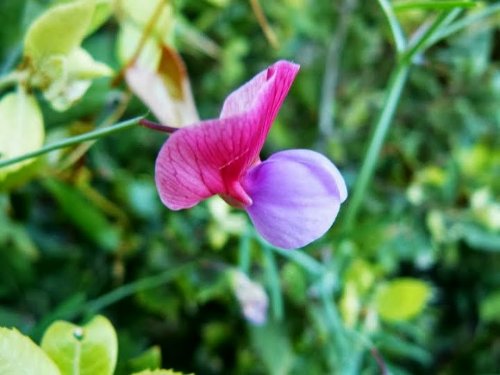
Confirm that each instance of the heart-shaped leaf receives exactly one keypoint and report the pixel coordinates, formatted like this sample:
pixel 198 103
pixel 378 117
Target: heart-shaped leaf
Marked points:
pixel 88 350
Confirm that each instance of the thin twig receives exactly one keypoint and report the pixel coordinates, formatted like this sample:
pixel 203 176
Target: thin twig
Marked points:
pixel 264 24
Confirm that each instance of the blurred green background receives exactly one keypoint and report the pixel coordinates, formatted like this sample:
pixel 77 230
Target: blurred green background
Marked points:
pixel 70 234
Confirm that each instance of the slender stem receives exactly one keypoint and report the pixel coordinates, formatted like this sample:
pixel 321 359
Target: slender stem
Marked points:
pixel 137 286
pixel 397 31
pixel 396 85
pixel 73 140
pixel 264 24
pixel 464 22
pixel 433 4
pixel 274 283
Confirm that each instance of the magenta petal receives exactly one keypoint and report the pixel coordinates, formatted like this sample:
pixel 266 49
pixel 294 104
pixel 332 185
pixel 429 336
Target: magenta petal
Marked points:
pixel 203 160
pixel 296 196
pixel 210 157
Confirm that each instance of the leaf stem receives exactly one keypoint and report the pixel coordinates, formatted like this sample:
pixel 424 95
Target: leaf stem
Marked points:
pixel 99 133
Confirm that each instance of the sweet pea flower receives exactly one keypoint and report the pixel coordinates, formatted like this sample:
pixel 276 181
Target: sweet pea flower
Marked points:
pixel 292 198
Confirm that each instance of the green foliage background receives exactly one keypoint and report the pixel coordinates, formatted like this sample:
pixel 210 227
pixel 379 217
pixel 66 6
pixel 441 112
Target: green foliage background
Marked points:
pixel 69 236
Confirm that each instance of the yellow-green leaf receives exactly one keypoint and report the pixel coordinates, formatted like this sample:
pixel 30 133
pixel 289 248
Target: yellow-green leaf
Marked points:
pixel 21 128
pixel 402 299
pixel 20 355
pixel 59 30
pixel 88 350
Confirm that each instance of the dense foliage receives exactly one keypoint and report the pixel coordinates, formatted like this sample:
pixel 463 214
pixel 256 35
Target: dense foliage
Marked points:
pixel 409 284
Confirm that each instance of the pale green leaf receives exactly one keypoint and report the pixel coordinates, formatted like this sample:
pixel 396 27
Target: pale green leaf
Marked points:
pixel 20 355
pixel 21 128
pixel 59 30
pixel 402 299
pixel 81 65
pixel 68 85
pixel 88 350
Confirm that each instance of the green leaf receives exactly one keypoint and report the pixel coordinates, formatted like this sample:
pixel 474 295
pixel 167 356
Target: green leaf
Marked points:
pixel 21 128
pixel 59 30
pixel 20 355
pixel 402 299
pixel 86 217
pixel 88 350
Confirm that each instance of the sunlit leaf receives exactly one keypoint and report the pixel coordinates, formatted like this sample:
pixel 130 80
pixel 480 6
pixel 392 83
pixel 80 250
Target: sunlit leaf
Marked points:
pixel 59 30
pixel 20 355
pixel 402 299
pixel 88 350
pixel 21 128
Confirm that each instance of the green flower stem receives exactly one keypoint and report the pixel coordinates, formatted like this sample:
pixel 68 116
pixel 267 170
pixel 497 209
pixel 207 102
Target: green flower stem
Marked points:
pixel 274 283
pixel 430 4
pixel 396 29
pixel 395 88
pixel 96 134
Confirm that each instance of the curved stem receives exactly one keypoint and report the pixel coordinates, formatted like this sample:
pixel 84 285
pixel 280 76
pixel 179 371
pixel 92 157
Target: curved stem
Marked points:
pixel 73 140
pixel 397 31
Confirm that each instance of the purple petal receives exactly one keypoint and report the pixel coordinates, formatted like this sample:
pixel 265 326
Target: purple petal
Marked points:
pixel 296 196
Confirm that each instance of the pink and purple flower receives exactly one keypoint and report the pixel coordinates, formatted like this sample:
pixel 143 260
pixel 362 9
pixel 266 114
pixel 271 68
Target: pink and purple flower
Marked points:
pixel 292 198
